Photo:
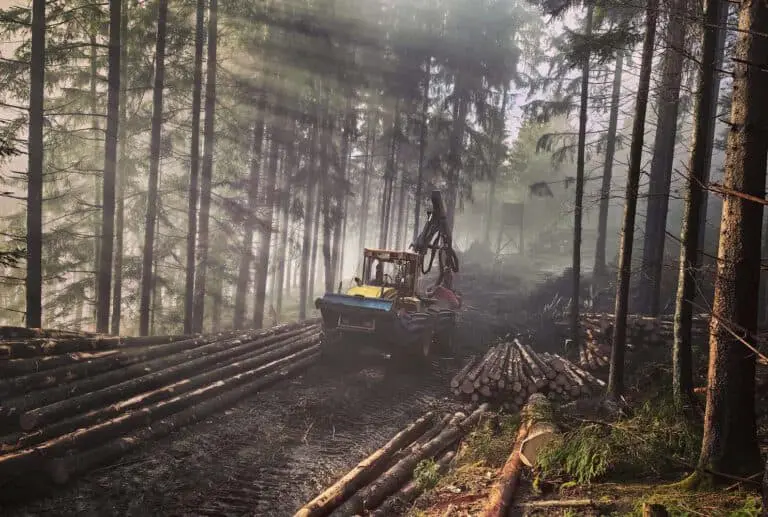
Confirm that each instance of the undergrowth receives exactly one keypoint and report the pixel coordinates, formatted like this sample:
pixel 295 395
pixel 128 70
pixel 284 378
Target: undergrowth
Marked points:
pixel 653 442
pixel 492 442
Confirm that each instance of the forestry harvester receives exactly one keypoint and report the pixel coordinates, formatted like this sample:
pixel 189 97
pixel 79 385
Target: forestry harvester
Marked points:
pixel 384 308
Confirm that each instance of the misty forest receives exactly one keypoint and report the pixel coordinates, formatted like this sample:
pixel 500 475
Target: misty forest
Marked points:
pixel 377 257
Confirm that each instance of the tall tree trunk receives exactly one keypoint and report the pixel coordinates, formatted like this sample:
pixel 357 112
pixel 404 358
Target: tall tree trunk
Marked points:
pixel 389 179
pixel 110 171
pixel 578 204
pixel 499 134
pixel 154 164
pixel 341 238
pixel 217 300
pixel 417 201
pixel 729 444
pixel 313 270
pixel 117 275
pixel 704 121
pixel 616 375
pixel 265 238
pixel 722 21
pixel 401 215
pixel 663 158
pixel 456 146
pixel 207 170
pixel 305 272
pixel 600 272
pixel 365 201
pixel 329 194
pixel 246 253
pixel 97 186
pixel 340 190
pixel 283 265
pixel 194 167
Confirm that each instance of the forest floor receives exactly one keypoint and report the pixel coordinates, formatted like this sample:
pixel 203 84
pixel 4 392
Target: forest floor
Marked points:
pixel 274 451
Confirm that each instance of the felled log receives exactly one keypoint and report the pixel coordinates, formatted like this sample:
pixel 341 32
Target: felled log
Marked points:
pixel 63 469
pixel 494 372
pixel 654 510
pixel 399 474
pixel 468 385
pixel 17 367
pixel 558 503
pixel 50 346
pixel 397 504
pixel 28 459
pixel 459 377
pixel 536 376
pixel 504 488
pixel 60 392
pixel 332 497
pixel 548 372
pixel 541 431
pixel 244 357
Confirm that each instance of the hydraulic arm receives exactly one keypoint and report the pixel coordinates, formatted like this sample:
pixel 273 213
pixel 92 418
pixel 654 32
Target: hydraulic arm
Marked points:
pixel 436 237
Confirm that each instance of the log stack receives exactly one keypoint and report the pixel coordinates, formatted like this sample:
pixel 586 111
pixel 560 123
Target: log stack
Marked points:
pixel 642 332
pixel 511 371
pixel 71 402
pixel 383 484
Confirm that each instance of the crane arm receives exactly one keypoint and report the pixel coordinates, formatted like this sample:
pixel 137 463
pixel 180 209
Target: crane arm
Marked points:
pixel 436 237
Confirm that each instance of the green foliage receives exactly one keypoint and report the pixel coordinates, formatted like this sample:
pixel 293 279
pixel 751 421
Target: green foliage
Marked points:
pixel 426 474
pixel 655 441
pixel 492 442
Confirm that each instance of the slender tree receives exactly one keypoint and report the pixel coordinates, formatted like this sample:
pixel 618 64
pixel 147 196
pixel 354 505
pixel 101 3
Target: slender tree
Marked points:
pixel 207 169
pixel 110 170
pixel 729 444
pixel 663 159
pixel 578 205
pixel 616 375
pixel 423 134
pixel 704 120
pixel 194 166
pixel 154 164
pixel 34 282
pixel 599 271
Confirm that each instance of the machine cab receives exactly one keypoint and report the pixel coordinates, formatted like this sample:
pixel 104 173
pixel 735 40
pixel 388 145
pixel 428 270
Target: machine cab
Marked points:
pixel 387 274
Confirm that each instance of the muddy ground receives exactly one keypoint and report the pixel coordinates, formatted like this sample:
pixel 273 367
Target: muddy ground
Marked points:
pixel 275 450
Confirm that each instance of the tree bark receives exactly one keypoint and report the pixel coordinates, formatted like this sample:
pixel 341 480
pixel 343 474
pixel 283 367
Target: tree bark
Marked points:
pixel 97 186
pixel 456 144
pixel 328 192
pixel 207 170
pixel 194 166
pixel 729 444
pixel 578 204
pixel 422 148
pixel 389 179
pixel 266 228
pixel 110 171
pixel 313 270
pixel 154 164
pixel 497 155
pixel 117 275
pixel 305 272
pixel 34 280
pixel 365 471
pixel 704 121
pixel 600 270
pixel 616 375
pixel 365 201
pixel 663 160
pixel 246 253
pixel 283 266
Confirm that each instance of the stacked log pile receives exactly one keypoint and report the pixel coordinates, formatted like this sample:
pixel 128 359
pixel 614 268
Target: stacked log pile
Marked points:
pixel 383 484
pixel 511 371
pixel 642 332
pixel 71 402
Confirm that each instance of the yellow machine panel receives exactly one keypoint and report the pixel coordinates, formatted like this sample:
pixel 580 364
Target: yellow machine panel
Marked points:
pixel 372 291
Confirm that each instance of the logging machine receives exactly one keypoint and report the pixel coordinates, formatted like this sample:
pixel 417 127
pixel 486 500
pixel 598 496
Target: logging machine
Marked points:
pixel 384 309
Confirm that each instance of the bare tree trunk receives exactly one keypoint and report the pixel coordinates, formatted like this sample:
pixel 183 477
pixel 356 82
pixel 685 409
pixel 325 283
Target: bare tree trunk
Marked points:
pixel 265 237
pixel 422 148
pixel 305 271
pixel 117 275
pixel 663 158
pixel 207 170
pixel 710 137
pixel 340 192
pixel 284 266
pixel 389 179
pixel 456 146
pixel 616 375
pixel 365 201
pixel 498 153
pixel 154 164
pixel 328 192
pixel 600 272
pixel 729 444
pixel 704 121
pixel 34 282
pixel 194 166
pixel 97 187
pixel 246 253
pixel 401 215
pixel 578 203
pixel 217 300
pixel 110 171
pixel 313 273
